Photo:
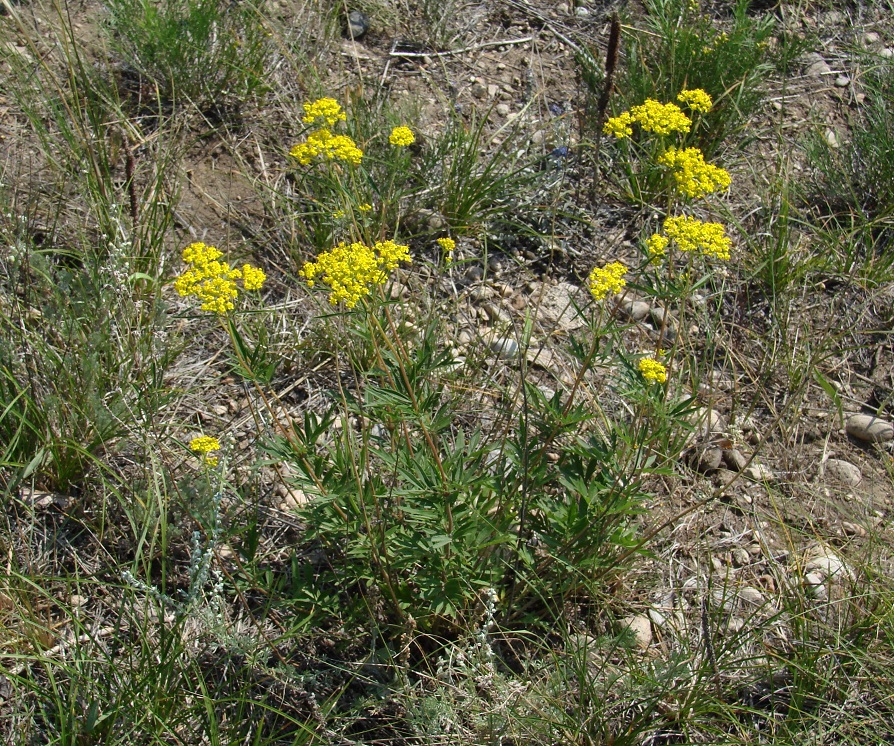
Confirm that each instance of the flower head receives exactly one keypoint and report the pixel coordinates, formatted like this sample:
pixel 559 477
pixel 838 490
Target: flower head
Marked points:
pixel 607 279
pixel 332 147
pixel 326 109
pixel 448 245
pixel 662 119
pixel 691 234
pixel 213 282
pixel 350 270
pixel 696 99
pixel 693 176
pixel 656 245
pixel 652 370
pixel 401 137
pixel 204 445
pixel 619 126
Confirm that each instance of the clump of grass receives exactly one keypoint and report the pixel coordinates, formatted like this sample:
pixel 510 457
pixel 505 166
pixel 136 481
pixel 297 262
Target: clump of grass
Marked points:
pixel 200 51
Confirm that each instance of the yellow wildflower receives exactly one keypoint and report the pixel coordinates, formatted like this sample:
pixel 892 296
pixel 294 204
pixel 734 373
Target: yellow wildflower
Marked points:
pixel 327 109
pixel 204 445
pixel 213 282
pixel 252 277
pixel 656 245
pixel 694 177
pixel 365 207
pixel 607 279
pixel 351 270
pixel 652 370
pixel 323 142
pixel 619 126
pixel 691 234
pixel 696 99
pixel 662 119
pixel 401 137
pixel 448 245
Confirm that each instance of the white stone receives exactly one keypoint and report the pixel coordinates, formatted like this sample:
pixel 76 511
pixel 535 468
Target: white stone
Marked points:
pixel 869 428
pixel 640 627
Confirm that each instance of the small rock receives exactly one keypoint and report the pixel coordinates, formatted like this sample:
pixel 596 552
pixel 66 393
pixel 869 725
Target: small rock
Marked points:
pixel 759 473
pixel 708 421
pixel 735 625
pixel 741 557
pixel 887 53
pixel 358 24
pixel 504 348
pixel 481 293
pixel 464 337
pixel 869 428
pixel 636 310
pixel 831 138
pixel 479 90
pixel 815 586
pixel 582 12
pixel 663 319
pixel 827 564
pixel 562 9
pixel 492 90
pixel 77 600
pixel 734 459
pixel 495 313
pixel 293 499
pixel 817 66
pixel 752 596
pixel 503 110
pixel 870 37
pixel 842 81
pixel 840 471
pixel 640 627
pixel 707 459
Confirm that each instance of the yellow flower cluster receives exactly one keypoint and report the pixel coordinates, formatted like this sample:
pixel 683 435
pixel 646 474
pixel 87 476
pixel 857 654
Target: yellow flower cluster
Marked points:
pixel 326 109
pixel 652 370
pixel 350 270
pixel 691 234
pixel 656 245
pixel 662 119
pixel 204 445
pixel 696 99
pixel 332 147
pixel 607 279
pixel 620 126
pixel 694 177
pixel 214 282
pixel 401 137
pixel 448 245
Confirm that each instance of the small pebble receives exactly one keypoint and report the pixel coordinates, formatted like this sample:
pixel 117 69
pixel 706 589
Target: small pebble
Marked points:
pixel 887 53
pixel 582 12
pixel 840 471
pixel 734 459
pixel 636 310
pixel 842 81
pixel 358 24
pixel 752 596
pixel 641 628
pixel 503 110
pixel 870 37
pixel 759 473
pixel 504 348
pixel 869 428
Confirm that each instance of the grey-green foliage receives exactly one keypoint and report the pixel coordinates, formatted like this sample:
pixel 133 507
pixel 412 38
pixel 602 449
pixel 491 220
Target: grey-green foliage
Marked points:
pixel 211 52
pixel 857 180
